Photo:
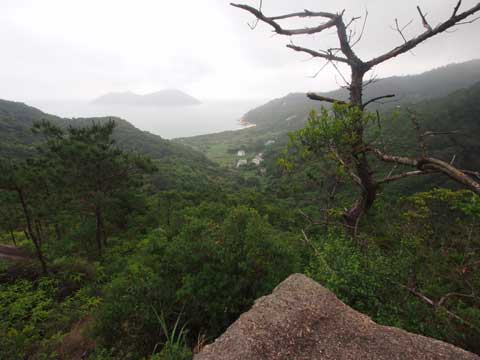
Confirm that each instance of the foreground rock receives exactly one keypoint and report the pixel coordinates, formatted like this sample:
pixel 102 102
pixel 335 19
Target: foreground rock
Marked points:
pixel 302 320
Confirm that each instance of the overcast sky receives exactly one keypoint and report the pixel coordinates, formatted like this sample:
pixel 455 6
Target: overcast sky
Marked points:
pixel 68 49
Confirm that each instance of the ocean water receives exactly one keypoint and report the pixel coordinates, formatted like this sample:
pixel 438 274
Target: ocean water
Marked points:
pixel 168 122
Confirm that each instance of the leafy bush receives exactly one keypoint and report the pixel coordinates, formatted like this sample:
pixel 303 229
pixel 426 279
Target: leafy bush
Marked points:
pixel 33 317
pixel 174 352
pixel 206 276
pixel 426 246
pixel 359 277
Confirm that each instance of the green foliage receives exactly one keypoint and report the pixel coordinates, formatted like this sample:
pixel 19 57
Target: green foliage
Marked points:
pixel 331 135
pixel 174 352
pixel 343 268
pixel 175 161
pixel 175 347
pixel 183 263
pixel 72 203
pixel 210 273
pixel 34 317
pixel 428 245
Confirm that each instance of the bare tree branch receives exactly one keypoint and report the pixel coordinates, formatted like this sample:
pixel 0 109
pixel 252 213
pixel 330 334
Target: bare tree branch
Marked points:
pixel 425 23
pixel 402 160
pixel 321 69
pixel 468 22
pixel 373 79
pixel 409 45
pixel 362 31
pixel 420 137
pixel 475 174
pixel 355 18
pixel 431 164
pixel 327 55
pixel 436 133
pixel 400 30
pixel 376 99
pixel 439 304
pixel 303 14
pixel 255 24
pixel 341 74
pixel 317 97
pixel 345 42
pixel 347 168
pixel 393 178
pixel 455 294
pixel 279 30
pixel 451 171
pixel 307 241
pixel 457 7
pixel 453 159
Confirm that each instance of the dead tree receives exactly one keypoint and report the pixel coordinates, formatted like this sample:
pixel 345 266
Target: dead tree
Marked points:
pixel 362 153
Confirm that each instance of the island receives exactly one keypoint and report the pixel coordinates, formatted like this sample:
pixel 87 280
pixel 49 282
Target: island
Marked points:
pixel 167 97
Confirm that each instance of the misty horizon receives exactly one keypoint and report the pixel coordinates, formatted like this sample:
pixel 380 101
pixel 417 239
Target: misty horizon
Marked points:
pixel 211 53
pixel 169 122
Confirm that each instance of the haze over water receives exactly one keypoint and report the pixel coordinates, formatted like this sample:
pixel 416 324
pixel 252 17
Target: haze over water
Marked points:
pixel 168 122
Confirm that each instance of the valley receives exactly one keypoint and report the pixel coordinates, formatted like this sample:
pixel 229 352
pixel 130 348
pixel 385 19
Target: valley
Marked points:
pixel 244 216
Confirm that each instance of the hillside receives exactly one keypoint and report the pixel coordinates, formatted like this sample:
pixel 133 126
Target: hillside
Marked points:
pixel 341 229
pixel 168 97
pixel 407 89
pixel 457 115
pixel 195 257
pixel 177 162
pixel 274 119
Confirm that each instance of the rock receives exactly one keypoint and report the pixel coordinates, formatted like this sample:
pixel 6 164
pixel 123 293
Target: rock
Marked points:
pixel 302 320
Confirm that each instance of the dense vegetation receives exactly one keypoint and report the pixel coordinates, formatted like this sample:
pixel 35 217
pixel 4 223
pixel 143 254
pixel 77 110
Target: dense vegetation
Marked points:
pixel 177 163
pixel 134 247
pixel 276 118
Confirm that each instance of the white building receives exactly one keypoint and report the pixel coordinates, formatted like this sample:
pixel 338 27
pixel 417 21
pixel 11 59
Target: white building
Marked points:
pixel 241 153
pixel 257 160
pixel 241 162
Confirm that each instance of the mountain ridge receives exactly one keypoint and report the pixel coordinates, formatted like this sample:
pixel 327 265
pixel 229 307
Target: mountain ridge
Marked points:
pixel 277 117
pixel 174 160
pixel 435 83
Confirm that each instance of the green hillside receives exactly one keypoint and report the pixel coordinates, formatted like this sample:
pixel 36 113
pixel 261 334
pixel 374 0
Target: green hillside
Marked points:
pixel 276 118
pixel 457 115
pixel 432 84
pixel 177 163
pixel 109 259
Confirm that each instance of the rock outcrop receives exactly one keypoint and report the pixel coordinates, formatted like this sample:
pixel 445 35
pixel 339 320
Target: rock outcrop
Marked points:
pixel 302 320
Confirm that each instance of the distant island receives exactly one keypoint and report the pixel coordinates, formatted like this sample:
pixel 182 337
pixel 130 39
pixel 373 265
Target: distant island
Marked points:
pixel 168 97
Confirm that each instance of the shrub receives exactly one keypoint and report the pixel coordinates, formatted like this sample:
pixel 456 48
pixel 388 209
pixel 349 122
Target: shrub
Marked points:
pixel 206 276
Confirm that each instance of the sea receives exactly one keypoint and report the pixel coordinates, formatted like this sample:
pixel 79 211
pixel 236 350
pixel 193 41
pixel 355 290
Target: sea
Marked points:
pixel 168 122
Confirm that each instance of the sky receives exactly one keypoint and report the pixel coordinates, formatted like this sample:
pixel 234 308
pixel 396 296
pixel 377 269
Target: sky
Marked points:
pixel 81 49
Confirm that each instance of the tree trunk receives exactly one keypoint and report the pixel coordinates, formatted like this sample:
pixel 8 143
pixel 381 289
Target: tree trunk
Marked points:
pixel 58 233
pixel 31 233
pixel 12 235
pixel 104 235
pixel 39 234
pixel 364 172
pixel 98 232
